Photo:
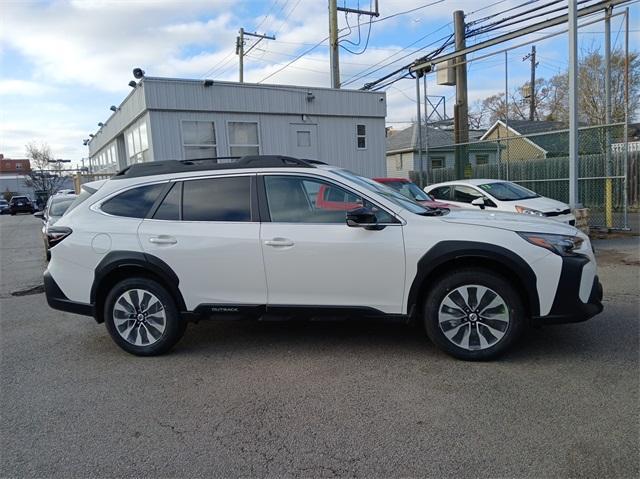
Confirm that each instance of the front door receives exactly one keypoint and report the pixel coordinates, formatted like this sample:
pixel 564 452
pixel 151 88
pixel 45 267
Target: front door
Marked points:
pixel 207 232
pixel 303 140
pixel 311 256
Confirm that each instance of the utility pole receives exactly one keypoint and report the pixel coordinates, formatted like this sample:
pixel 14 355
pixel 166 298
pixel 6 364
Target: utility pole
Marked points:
pixel 608 185
pixel 574 196
pixel 461 108
pixel 240 48
pixel 334 53
pixel 532 90
pixel 334 47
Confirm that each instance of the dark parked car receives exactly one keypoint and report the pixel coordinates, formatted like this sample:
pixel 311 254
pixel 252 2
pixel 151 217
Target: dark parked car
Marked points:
pixel 4 207
pixel 53 211
pixel 21 204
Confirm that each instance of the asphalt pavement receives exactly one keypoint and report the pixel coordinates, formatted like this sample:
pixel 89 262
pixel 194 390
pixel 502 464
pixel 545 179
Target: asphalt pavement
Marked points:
pixel 330 399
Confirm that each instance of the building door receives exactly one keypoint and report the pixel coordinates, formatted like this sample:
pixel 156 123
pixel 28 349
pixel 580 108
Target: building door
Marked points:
pixel 303 141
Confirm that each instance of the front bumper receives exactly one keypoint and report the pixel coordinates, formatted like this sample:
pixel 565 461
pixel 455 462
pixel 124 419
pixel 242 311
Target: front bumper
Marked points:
pixel 567 306
pixel 57 299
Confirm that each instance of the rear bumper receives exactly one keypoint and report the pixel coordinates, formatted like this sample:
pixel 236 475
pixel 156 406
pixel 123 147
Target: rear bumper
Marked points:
pixel 567 305
pixel 57 299
pixel 21 209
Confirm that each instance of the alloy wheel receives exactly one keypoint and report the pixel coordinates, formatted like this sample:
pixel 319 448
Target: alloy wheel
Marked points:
pixel 139 317
pixel 473 317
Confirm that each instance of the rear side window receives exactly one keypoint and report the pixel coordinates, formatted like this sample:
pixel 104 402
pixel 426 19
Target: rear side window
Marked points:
pixel 169 209
pixel 133 203
pixel 217 199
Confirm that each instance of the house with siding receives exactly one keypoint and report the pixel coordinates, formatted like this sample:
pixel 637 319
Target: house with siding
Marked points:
pixel 179 119
pixel 530 140
pixel 439 148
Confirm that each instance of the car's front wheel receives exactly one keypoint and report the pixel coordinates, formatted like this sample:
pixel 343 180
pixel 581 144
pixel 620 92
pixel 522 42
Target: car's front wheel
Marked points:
pixel 142 317
pixel 473 314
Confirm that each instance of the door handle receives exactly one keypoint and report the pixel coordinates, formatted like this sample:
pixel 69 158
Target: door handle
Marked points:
pixel 279 242
pixel 163 240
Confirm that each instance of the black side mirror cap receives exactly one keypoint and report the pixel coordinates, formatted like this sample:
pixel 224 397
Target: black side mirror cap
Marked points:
pixel 363 218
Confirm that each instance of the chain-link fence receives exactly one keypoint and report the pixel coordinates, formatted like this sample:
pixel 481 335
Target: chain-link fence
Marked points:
pixel 608 171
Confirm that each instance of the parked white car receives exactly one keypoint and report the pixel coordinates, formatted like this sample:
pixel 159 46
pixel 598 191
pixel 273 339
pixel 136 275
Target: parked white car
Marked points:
pixel 500 195
pixel 272 237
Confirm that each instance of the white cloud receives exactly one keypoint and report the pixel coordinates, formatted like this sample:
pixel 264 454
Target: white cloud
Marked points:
pixel 23 88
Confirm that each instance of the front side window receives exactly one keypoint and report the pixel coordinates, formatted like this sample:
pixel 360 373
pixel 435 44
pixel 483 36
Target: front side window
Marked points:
pixel 133 203
pixel 293 199
pixel 199 140
pixel 442 193
pixel 361 136
pixel 243 138
pixel 465 194
pixel 217 199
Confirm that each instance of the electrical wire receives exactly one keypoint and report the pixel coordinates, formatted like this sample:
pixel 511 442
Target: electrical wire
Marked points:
pixel 316 45
pixel 367 72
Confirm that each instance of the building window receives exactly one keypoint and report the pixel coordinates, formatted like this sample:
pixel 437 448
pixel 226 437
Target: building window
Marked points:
pixel 399 161
pixel 482 160
pixel 199 140
pixel 137 143
pixel 243 138
pixel 361 136
pixel 437 162
pixel 18 166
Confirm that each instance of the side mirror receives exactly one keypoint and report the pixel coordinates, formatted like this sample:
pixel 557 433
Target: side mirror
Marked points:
pixel 39 214
pixel 362 218
pixel 478 202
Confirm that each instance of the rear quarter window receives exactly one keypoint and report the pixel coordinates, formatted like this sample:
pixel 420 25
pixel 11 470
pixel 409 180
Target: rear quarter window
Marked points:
pixel 133 203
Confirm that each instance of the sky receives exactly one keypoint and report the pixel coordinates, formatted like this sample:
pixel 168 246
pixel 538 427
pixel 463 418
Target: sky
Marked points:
pixel 64 62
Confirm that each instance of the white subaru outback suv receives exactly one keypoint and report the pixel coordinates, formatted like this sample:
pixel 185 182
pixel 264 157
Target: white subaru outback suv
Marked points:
pixel 272 237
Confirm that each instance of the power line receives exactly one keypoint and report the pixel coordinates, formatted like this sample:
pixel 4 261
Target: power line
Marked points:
pixel 309 50
pixel 365 72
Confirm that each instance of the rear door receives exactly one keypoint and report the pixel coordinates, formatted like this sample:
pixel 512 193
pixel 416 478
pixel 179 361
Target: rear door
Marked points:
pixel 311 256
pixel 207 231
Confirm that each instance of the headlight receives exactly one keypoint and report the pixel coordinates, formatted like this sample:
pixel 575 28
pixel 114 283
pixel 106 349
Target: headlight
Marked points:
pixel 562 245
pixel 528 211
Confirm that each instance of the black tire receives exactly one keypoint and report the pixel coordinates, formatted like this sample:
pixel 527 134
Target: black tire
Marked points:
pixel 462 320
pixel 47 253
pixel 13 213
pixel 143 330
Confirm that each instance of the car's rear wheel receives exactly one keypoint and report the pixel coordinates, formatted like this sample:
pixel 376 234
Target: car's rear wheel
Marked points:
pixel 474 314
pixel 142 317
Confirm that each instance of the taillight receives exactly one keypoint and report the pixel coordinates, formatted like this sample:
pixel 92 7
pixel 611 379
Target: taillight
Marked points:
pixel 55 234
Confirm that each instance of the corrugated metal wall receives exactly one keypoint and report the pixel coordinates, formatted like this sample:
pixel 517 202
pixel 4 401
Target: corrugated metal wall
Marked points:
pixel 337 144
pixel 335 112
pixel 130 109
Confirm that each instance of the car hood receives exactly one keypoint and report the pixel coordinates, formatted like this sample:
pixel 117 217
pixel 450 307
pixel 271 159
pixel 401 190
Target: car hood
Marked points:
pixel 508 221
pixel 541 203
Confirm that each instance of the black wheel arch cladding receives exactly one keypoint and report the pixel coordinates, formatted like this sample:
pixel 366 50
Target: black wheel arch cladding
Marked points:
pixel 117 260
pixel 471 251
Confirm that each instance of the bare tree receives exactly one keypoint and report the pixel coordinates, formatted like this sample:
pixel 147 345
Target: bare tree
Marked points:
pixel 45 177
pixel 552 95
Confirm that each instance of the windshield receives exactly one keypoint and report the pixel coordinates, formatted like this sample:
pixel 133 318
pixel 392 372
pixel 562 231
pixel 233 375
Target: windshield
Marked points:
pixel 383 190
pixel 59 206
pixel 410 190
pixel 507 191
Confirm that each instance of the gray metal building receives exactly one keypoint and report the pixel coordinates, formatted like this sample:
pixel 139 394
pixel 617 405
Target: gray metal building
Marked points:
pixel 165 119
